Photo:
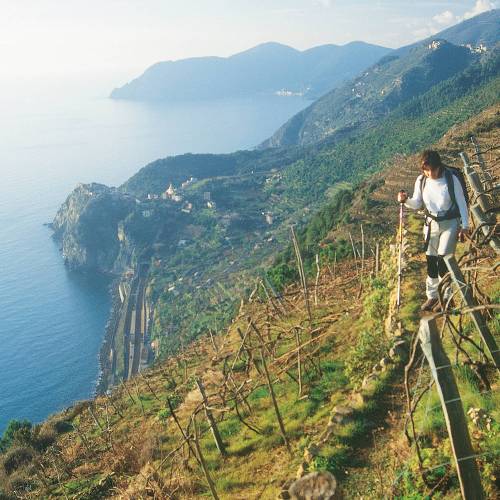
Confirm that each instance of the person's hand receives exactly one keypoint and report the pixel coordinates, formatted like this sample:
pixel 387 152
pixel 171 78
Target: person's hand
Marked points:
pixel 462 234
pixel 402 196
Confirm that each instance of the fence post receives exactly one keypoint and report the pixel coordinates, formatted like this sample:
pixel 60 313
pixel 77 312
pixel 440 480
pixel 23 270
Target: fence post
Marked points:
pixel 476 185
pixel 486 175
pixel 468 474
pixel 477 317
pixel 485 224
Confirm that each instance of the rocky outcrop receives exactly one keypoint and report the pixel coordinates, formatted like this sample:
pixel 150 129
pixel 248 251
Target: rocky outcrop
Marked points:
pixel 87 226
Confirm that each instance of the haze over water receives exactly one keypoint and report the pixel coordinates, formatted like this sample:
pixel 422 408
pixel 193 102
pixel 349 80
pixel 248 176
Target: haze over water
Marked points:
pixel 52 136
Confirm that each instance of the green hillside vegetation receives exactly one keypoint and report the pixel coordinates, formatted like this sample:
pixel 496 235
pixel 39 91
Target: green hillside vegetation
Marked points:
pixel 227 308
pixel 237 233
pixel 128 444
pixel 396 78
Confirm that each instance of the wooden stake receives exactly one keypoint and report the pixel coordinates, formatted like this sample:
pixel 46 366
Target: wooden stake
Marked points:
pixel 377 259
pixel 269 299
pixel 149 387
pixel 468 474
pixel 334 264
pixel 115 407
pixel 211 421
pixel 317 281
pixel 362 249
pixel 302 275
pixel 354 253
pixel 201 458
pixel 299 367
pixel 176 420
pixel 128 392
pixel 108 428
pixel 250 358
pixel 95 419
pixel 138 396
pixel 214 345
pixel 275 403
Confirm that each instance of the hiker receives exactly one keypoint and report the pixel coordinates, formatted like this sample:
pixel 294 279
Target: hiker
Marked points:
pixel 442 191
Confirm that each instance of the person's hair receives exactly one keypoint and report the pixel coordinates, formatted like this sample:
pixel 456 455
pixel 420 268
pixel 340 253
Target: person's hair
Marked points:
pixel 430 158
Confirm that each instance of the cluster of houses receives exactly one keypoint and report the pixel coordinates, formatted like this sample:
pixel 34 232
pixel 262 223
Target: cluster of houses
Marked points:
pixel 434 44
pixel 275 177
pixel 171 194
pixel 479 49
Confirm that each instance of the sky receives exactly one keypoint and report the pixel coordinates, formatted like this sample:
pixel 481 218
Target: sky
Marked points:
pixel 121 38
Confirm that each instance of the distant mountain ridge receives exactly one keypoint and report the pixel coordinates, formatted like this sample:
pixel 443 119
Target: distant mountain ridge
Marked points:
pixel 265 69
pixel 395 79
pixel 482 29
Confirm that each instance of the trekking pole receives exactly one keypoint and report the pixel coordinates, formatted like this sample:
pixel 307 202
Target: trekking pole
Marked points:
pixel 400 254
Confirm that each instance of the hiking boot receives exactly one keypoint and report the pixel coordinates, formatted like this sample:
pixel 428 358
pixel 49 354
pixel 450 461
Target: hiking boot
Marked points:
pixel 429 304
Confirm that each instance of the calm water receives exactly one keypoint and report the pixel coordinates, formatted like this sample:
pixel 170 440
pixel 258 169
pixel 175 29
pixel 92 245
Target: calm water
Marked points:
pixel 51 137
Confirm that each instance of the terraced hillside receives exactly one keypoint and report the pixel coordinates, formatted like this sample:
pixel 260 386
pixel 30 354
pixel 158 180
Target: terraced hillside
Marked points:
pixel 301 381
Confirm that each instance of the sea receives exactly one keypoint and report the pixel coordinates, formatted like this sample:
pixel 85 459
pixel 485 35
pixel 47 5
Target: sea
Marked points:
pixel 55 133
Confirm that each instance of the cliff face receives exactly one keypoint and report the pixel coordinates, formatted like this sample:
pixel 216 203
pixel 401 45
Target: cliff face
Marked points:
pixel 87 226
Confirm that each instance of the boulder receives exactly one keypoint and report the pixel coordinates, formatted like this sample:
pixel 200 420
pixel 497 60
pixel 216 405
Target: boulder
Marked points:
pixel 314 486
pixel 341 414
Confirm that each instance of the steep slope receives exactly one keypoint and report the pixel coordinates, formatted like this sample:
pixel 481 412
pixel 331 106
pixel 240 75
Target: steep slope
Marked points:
pixel 131 443
pixel 392 81
pixel 265 69
pixel 204 249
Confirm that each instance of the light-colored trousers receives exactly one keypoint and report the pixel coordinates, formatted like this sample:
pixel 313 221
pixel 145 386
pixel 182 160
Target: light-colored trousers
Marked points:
pixel 443 241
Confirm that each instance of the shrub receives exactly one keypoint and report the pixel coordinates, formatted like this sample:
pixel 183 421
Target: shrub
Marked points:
pixel 376 304
pixel 19 430
pixel 62 426
pixel 370 348
pixel 21 482
pixel 44 439
pixel 16 457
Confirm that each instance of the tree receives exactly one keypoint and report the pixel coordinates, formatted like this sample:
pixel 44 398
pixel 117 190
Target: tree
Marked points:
pixel 16 429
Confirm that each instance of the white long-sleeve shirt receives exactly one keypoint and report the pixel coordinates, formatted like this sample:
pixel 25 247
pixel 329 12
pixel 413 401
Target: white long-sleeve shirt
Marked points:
pixel 436 197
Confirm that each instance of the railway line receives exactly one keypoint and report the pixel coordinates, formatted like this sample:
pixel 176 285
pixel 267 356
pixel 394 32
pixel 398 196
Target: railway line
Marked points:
pixel 136 350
